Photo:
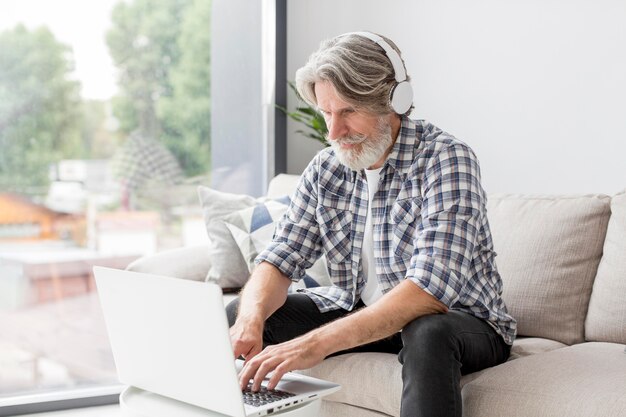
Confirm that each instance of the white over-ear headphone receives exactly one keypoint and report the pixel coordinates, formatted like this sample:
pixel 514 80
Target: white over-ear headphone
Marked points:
pixel 401 96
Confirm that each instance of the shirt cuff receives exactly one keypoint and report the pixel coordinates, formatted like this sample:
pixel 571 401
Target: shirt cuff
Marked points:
pixel 285 259
pixel 436 279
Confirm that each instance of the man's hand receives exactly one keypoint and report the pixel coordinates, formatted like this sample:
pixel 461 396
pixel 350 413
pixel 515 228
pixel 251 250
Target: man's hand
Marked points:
pixel 246 337
pixel 301 353
pixel 264 293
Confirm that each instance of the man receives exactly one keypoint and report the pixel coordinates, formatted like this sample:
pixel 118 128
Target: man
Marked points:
pixel 397 207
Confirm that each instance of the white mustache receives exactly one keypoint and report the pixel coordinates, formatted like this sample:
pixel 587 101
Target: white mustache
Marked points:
pixel 349 140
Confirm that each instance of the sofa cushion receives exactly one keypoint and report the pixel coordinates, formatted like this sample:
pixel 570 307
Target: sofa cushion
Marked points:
pixel 374 380
pixel 240 226
pixel 548 250
pixel 527 346
pixel 584 380
pixel 228 268
pixel 252 229
pixel 282 184
pixel 189 262
pixel 334 409
pixel 606 319
pixel 369 380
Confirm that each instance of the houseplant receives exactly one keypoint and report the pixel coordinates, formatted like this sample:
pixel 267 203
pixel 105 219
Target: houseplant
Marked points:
pixel 309 117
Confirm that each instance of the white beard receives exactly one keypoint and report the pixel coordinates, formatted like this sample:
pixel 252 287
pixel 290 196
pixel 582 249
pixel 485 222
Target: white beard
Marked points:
pixel 369 149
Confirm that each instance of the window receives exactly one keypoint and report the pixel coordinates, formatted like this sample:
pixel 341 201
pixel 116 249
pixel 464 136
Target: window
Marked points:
pixel 104 137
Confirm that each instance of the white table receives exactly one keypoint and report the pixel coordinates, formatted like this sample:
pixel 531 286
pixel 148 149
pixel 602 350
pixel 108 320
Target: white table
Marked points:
pixel 135 402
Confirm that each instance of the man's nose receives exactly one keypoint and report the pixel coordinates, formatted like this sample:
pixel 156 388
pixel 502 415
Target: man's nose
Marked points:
pixel 336 128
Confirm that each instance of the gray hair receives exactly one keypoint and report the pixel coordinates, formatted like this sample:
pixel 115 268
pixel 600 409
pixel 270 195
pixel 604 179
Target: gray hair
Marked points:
pixel 357 67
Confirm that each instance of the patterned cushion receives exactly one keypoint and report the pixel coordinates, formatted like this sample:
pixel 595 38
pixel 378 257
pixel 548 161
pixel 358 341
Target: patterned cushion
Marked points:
pixel 252 229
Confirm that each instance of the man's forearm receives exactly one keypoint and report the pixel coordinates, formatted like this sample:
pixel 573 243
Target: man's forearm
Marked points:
pixel 387 316
pixel 264 293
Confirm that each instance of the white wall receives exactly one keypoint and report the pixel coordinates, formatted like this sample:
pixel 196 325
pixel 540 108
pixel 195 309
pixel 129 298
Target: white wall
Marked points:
pixel 536 87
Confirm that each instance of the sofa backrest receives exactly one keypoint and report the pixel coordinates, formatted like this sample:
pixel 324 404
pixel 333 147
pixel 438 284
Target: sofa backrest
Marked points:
pixel 606 319
pixel 549 248
pixel 282 184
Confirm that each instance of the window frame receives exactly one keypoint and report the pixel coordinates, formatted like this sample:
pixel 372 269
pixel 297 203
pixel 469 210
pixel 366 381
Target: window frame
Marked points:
pixel 60 400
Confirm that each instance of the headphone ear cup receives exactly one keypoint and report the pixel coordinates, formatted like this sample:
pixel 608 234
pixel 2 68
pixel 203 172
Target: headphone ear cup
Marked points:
pixel 401 97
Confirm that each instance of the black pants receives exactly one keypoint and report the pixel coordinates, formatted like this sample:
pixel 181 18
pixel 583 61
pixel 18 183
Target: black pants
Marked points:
pixel 434 351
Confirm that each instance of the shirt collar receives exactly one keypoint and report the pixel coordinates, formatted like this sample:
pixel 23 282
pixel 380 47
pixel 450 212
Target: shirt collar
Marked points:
pixel 403 152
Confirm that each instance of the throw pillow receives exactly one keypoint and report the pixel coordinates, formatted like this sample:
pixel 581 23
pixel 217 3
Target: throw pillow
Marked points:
pixel 252 229
pixel 549 248
pixel 606 317
pixel 228 268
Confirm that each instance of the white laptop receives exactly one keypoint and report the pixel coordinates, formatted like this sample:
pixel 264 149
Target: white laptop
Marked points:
pixel 170 336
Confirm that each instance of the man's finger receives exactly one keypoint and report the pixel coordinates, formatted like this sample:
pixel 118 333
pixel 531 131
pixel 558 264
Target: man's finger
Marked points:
pixel 246 349
pixel 265 368
pixel 251 353
pixel 280 370
pixel 248 371
pixel 241 350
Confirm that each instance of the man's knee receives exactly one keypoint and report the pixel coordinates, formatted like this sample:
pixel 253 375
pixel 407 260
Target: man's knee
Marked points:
pixel 231 311
pixel 428 335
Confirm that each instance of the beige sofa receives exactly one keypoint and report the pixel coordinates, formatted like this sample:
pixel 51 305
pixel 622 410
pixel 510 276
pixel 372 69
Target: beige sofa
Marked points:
pixel 563 263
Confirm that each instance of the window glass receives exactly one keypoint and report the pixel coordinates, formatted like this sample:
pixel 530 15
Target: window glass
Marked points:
pixel 104 137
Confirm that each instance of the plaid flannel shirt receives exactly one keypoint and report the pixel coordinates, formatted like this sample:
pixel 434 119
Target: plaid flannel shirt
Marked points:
pixel 429 225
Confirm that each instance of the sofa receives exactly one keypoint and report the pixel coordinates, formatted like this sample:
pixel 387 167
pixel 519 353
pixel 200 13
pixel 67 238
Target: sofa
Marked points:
pixel 563 264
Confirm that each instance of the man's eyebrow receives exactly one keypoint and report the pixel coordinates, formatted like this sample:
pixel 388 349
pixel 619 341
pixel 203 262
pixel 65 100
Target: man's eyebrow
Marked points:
pixel 342 110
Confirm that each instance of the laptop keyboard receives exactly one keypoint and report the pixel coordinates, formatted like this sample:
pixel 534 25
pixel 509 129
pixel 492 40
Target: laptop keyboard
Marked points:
pixel 264 396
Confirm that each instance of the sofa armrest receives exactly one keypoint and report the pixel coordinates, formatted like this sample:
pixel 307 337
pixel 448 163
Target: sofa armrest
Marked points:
pixel 189 262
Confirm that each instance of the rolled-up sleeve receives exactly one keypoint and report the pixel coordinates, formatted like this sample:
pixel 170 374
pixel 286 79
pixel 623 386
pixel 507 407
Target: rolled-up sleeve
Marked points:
pixel 296 242
pixel 446 238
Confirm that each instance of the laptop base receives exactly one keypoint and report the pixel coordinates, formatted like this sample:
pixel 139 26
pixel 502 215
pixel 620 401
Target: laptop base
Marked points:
pixel 135 402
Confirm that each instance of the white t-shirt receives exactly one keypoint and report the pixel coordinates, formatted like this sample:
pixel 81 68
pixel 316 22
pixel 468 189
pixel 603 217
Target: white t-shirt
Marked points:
pixel 371 291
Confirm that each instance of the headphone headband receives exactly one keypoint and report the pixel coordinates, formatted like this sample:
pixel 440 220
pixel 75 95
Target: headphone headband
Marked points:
pixel 392 54
pixel 401 96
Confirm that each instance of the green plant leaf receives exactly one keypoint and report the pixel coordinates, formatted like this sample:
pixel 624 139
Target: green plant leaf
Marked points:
pixel 309 117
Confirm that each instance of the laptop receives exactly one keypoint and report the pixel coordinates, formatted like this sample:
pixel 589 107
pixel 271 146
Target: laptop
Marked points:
pixel 170 336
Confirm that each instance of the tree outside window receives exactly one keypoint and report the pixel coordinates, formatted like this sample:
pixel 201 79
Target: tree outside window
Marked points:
pixel 87 180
